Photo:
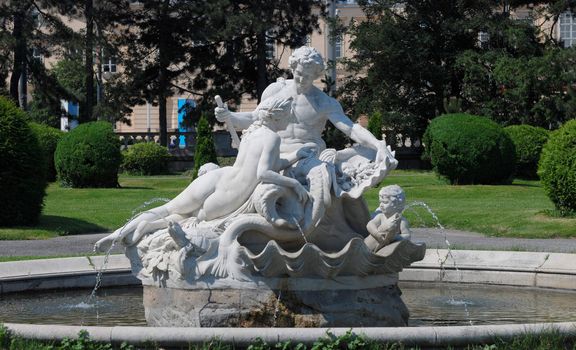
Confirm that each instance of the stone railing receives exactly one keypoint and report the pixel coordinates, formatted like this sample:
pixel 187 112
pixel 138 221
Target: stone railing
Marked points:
pixel 182 144
pixel 409 152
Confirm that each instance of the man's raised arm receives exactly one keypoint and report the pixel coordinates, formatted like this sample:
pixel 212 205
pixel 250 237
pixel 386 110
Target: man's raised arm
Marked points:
pixel 358 133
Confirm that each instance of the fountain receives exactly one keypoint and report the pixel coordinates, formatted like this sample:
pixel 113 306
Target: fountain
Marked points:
pixel 284 239
pixel 286 225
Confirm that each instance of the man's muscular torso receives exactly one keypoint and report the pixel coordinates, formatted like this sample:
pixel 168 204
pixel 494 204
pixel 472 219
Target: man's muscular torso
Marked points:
pixel 310 110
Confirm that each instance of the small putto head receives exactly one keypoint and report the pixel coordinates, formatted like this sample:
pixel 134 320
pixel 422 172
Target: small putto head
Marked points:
pixel 392 196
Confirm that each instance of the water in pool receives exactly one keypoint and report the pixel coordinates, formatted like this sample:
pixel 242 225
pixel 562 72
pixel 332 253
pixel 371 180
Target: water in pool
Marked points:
pixel 429 304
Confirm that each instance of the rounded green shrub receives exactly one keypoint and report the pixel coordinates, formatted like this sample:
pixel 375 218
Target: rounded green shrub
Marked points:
pixel 468 149
pixel 48 138
pixel 146 159
pixel 528 141
pixel 557 168
pixel 22 169
pixel 89 156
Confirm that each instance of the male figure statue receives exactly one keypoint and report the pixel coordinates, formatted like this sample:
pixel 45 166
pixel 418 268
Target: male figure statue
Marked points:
pixel 311 109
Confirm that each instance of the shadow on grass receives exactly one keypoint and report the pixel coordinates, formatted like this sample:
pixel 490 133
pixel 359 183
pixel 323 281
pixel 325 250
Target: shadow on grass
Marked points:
pixel 534 185
pixel 66 226
pixel 134 188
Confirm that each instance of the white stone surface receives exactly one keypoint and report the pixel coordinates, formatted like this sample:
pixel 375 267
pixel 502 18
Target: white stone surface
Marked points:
pixel 287 207
pixel 426 337
pixel 560 273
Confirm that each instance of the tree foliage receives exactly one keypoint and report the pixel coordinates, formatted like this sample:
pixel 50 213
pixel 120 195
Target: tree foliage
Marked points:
pixel 204 152
pixel 411 57
pixel 375 124
pixel 29 29
pixel 223 50
pixel 535 90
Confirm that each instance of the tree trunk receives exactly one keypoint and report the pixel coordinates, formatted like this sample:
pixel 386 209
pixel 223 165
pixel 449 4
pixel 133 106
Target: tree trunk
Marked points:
pixel 261 71
pixel 19 56
pixel 162 73
pixel 86 115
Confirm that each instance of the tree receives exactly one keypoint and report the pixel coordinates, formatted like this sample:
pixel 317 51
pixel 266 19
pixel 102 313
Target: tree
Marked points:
pixel 406 55
pixel 223 50
pixel 164 41
pixel 65 81
pixel 204 151
pixel 536 90
pixel 253 29
pixel 28 29
pixel 375 124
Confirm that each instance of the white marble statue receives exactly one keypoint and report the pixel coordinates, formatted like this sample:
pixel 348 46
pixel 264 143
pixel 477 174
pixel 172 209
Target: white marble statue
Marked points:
pixel 311 109
pixel 288 218
pixel 388 223
pixel 219 192
pixel 287 207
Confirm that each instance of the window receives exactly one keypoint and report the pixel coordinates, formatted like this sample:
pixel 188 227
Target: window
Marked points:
pixel 338 50
pixel 483 39
pixel 37 54
pixel 305 40
pixel 270 46
pixel 567 23
pixel 109 64
pixel 37 18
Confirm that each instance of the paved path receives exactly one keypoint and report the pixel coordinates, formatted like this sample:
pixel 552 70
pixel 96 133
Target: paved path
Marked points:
pixel 434 238
pixel 59 246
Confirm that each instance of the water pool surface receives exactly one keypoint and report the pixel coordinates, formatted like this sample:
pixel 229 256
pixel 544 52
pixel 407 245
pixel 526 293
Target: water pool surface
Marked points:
pixel 429 304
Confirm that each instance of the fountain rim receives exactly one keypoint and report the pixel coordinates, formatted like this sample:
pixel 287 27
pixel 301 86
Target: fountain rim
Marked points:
pixel 518 269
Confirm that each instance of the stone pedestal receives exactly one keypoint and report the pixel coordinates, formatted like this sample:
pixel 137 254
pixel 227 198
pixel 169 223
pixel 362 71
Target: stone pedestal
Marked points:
pixel 372 301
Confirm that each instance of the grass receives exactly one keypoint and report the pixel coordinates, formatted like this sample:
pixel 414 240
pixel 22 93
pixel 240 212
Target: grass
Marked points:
pixel 518 210
pixel 75 211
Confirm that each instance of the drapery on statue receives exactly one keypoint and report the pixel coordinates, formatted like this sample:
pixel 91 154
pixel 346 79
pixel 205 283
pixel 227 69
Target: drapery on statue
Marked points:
pixel 288 206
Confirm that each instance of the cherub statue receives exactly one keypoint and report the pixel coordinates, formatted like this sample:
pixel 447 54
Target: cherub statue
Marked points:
pixel 388 224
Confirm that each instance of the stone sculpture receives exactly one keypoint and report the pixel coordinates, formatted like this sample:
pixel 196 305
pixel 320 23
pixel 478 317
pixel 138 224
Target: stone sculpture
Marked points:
pixel 287 219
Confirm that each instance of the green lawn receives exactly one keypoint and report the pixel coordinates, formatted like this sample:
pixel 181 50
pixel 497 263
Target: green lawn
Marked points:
pixel 74 211
pixel 517 210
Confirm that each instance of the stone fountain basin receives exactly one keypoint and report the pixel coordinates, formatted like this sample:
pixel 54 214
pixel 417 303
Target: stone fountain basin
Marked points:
pixel 519 269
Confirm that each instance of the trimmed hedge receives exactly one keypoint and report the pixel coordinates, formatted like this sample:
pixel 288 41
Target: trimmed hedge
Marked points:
pixel 557 168
pixel 22 169
pixel 147 158
pixel 48 138
pixel 469 149
pixel 528 141
pixel 89 156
